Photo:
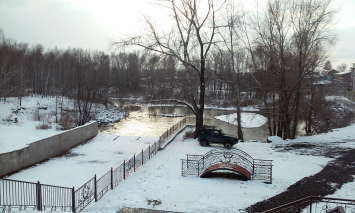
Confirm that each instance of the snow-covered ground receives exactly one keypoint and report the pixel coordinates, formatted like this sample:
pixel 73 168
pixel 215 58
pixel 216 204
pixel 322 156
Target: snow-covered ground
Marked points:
pixel 344 102
pixel 83 162
pixel 160 178
pixel 248 120
pixel 18 123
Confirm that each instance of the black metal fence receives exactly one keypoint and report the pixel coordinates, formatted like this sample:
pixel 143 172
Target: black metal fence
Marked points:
pixel 317 205
pixel 170 132
pixel 23 195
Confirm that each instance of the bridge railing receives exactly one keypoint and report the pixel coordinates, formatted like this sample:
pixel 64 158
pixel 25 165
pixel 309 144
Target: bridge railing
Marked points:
pixel 317 205
pixel 234 156
pixel 262 170
pixel 198 164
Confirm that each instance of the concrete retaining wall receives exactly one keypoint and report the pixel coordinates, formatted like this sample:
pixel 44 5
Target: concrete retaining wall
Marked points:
pixel 46 148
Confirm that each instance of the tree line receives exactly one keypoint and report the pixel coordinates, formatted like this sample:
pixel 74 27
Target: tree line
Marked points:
pixel 214 51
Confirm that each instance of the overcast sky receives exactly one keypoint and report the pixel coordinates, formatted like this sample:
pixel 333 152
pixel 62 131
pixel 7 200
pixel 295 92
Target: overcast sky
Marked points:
pixel 90 24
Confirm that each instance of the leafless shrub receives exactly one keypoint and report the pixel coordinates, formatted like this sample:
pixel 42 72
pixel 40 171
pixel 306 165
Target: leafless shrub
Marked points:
pixel 37 115
pixel 189 134
pixel 46 118
pixel 43 126
pixel 331 115
pixel 66 121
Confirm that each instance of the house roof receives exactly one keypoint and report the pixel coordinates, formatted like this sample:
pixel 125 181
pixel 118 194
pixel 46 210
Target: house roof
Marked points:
pixel 341 73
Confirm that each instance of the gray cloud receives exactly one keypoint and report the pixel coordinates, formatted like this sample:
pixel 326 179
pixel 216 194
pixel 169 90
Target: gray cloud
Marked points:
pixel 51 23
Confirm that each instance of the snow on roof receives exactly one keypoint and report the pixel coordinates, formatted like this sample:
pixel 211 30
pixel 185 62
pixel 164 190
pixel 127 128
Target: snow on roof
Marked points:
pixel 321 82
pixel 341 73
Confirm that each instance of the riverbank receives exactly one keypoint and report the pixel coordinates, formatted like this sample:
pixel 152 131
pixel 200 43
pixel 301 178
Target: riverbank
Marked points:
pixel 140 122
pixel 38 118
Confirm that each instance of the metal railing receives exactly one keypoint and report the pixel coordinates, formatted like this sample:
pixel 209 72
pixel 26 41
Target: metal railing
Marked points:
pixel 56 198
pixel 23 195
pixel 234 159
pixel 170 132
pixel 314 204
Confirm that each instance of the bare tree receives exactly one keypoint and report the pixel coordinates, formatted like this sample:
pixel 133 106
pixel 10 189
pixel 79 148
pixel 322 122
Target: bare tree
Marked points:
pixel 234 54
pixel 312 22
pixel 189 40
pixel 294 36
pixel 21 73
pixel 327 66
pixel 342 67
pixel 7 68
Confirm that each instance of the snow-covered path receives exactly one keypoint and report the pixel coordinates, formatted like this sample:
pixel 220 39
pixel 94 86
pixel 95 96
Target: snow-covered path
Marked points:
pixel 160 179
pixel 83 162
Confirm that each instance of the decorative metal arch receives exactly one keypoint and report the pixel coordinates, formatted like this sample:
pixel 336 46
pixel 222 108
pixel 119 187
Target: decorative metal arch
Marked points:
pixel 228 159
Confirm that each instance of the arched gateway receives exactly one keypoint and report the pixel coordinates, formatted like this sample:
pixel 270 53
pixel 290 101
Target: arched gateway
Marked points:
pixel 234 160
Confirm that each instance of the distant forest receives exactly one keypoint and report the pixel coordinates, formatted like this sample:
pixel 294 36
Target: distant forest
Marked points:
pixel 94 76
pixel 75 72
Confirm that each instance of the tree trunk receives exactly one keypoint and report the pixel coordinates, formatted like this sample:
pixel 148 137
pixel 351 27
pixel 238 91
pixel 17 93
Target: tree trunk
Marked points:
pixel 239 119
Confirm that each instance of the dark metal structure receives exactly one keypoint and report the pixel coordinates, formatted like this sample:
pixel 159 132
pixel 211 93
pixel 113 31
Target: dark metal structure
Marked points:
pixel 234 160
pixel 317 205
pixel 23 195
pixel 35 196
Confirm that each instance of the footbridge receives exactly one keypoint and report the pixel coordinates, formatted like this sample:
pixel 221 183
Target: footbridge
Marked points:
pixel 234 160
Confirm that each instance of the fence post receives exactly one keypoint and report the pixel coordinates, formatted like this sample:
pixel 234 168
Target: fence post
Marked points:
pixel 149 151
pixel 182 167
pixel 198 168
pixel 111 179
pixel 270 173
pixel 253 168
pixel 95 188
pixel 311 205
pixel 134 162
pixel 203 162
pixel 73 199
pixel 124 169
pixel 39 196
pixel 142 157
